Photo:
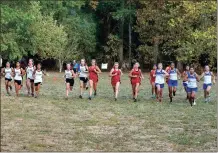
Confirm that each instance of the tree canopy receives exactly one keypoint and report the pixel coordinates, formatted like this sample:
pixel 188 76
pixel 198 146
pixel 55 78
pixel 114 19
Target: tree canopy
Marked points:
pixel 110 30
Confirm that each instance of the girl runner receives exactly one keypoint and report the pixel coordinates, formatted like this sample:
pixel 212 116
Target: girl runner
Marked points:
pixel 173 81
pixel 83 76
pixel 37 75
pixel 152 81
pixel 159 81
pixel 18 72
pixel 207 82
pixel 29 77
pixel 115 74
pixel 7 72
pixel 168 70
pixel 192 88
pixel 69 75
pixel 136 76
pixel 185 83
pixel 93 78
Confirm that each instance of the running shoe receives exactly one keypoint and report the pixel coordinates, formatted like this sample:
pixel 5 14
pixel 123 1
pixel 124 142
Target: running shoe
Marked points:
pixel 194 103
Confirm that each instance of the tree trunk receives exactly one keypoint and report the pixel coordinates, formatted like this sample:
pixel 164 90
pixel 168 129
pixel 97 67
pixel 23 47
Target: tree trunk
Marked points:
pixel 60 65
pixel 156 49
pixel 121 36
pixel 130 38
pixel 179 66
pixel 0 61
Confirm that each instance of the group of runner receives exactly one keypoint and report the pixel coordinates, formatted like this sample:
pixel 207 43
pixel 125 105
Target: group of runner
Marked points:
pixel 34 76
pixel 190 79
pixel 89 78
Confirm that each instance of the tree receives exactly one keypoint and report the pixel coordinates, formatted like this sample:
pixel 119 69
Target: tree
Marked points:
pixel 50 39
pixel 112 48
pixel 79 24
pixel 152 27
pixel 15 37
pixel 180 30
pixel 199 26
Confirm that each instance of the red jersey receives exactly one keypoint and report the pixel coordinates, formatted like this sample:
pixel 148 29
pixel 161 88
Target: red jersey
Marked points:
pixel 137 79
pixel 168 68
pixel 152 77
pixel 116 78
pixel 92 74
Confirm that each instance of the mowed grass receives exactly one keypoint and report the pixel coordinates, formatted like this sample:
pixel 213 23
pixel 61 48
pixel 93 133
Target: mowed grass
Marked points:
pixel 51 123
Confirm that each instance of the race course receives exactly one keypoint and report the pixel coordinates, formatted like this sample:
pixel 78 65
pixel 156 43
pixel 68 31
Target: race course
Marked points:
pixel 51 123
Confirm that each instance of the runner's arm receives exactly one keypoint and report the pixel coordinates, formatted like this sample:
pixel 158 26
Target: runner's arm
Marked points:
pixel 130 74
pixel 74 74
pixel 34 72
pixel 201 76
pixel 166 74
pixel 121 72
pixel 12 69
pixel 179 74
pixel 97 70
pixel 23 72
pixel 110 74
pixel 197 77
pixel 2 71
pixel 141 75
pixel 213 77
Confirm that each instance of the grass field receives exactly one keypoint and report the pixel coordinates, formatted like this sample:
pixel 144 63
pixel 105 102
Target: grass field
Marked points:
pixel 50 123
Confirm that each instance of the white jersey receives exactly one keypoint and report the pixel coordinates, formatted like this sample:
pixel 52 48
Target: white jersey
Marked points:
pixel 192 83
pixel 159 76
pixel 38 76
pixel 207 78
pixel 173 75
pixel 29 71
pixel 8 73
pixel 82 71
pixel 68 74
pixel 17 74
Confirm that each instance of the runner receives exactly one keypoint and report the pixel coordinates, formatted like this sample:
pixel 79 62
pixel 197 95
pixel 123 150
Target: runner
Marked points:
pixel 83 76
pixel 93 78
pixel 185 83
pixel 75 66
pixel 38 75
pixel 7 72
pixel 208 77
pixel 173 80
pixel 152 81
pixel 115 74
pixel 69 76
pixel 167 77
pixel 18 72
pixel 160 74
pixel 136 76
pixel 192 88
pixel 29 77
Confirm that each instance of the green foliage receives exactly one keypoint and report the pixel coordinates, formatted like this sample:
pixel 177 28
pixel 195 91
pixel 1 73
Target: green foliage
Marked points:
pixel 112 48
pixel 50 39
pixel 79 26
pixel 66 30
pixel 51 29
pixel 200 31
pixel 183 29
pixel 15 37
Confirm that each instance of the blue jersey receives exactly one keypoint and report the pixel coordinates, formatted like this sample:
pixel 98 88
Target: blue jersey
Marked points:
pixel 159 76
pixel 192 83
pixel 76 66
pixel 173 74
